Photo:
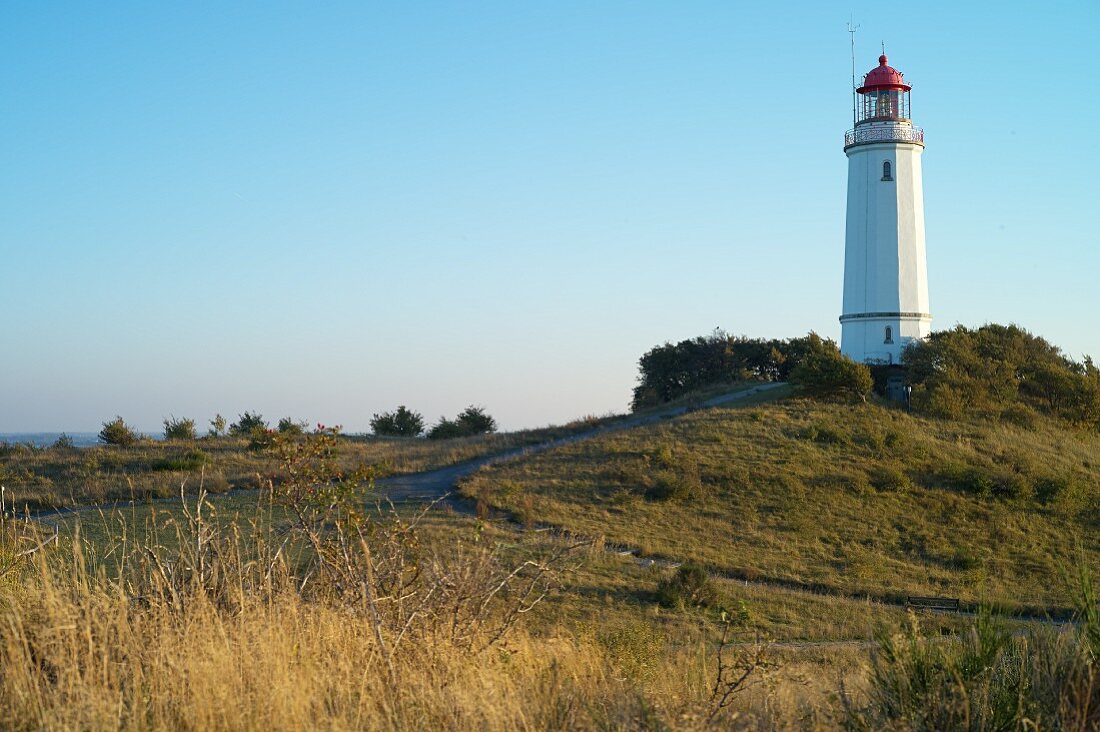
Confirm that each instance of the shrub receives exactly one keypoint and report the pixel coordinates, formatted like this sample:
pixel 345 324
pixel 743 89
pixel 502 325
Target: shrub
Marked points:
pixel 117 432
pixel 261 438
pixel 677 477
pixel 1066 492
pixel 945 402
pixel 64 442
pixel 825 372
pixel 823 433
pixel 475 421
pixel 291 427
pixel 889 478
pixel 445 429
pixel 179 429
pixel 246 424
pixel 1020 415
pixel 471 421
pixel 402 422
pixel 669 485
pixel 689 586
pixel 998 369
pixel 217 426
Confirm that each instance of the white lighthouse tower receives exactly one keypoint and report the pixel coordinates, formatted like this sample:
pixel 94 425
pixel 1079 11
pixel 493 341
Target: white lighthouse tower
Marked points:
pixel 885 272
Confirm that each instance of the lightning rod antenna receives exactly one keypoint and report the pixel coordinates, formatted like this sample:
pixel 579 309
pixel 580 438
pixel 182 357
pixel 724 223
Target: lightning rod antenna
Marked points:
pixel 852 32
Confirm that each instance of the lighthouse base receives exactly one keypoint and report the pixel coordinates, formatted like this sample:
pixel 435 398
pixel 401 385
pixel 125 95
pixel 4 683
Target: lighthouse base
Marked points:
pixel 880 338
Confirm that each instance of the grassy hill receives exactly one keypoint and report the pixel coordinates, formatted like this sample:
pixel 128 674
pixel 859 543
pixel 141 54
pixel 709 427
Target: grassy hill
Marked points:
pixel 856 500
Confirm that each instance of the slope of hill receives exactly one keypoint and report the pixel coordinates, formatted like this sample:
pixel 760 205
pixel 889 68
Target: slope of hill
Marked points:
pixel 856 500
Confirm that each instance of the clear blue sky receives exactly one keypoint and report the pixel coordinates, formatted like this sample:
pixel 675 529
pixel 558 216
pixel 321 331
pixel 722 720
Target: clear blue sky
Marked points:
pixel 327 209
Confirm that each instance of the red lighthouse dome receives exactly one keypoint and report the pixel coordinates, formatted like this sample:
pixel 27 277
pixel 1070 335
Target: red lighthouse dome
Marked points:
pixel 882 78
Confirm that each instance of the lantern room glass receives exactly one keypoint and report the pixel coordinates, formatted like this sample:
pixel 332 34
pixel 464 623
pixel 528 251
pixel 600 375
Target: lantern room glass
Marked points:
pixel 883 104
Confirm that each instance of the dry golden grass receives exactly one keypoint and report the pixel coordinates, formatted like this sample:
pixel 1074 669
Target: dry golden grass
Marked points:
pixel 85 644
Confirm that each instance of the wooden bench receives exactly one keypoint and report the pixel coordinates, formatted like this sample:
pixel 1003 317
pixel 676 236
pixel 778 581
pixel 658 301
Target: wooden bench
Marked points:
pixel 946 604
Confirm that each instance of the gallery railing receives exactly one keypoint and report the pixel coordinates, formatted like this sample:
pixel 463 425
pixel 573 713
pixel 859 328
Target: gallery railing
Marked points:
pixel 886 133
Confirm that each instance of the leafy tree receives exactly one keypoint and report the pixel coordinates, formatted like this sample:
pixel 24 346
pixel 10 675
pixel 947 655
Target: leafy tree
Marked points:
pixel 179 429
pixel 117 432
pixel 825 372
pixel 291 427
pixel 445 429
pixel 246 424
pixel 669 371
pixel 403 422
pixel 217 426
pixel 475 421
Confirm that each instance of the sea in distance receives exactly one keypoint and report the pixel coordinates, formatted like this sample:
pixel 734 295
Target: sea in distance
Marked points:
pixel 45 439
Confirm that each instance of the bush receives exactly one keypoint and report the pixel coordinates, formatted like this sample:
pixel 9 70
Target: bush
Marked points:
pixel 472 421
pixel 1066 492
pixel 292 428
pixel 825 372
pixel 672 486
pixel 246 424
pixel 942 401
pixel 475 421
pixel 998 369
pixel 991 481
pixel 217 426
pixel 445 429
pixel 64 442
pixel 889 478
pixel 689 586
pixel 403 422
pixel 262 438
pixel 823 433
pixel 179 429
pixel 117 432
pixel 1020 415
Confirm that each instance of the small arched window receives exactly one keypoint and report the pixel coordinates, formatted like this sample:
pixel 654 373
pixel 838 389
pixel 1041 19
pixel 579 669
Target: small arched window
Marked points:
pixel 886 170
pixel 889 335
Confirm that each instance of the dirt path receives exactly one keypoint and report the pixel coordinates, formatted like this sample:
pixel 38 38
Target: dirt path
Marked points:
pixel 435 484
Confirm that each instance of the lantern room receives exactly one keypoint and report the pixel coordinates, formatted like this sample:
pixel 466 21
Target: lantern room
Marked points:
pixel 884 95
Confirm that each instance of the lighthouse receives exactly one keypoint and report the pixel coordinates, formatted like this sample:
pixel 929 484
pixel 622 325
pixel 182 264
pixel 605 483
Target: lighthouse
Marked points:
pixel 885 268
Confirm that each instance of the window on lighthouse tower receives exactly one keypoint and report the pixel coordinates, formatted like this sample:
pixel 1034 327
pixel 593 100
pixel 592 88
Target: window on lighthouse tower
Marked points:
pixel 886 170
pixel 889 335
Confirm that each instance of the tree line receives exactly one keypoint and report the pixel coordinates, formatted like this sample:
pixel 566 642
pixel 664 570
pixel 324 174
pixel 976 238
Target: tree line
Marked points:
pixel 402 422
pixel 670 371
pixel 1001 370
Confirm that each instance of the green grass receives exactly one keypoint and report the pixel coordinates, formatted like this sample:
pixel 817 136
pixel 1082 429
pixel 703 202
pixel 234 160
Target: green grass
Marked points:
pixel 853 500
